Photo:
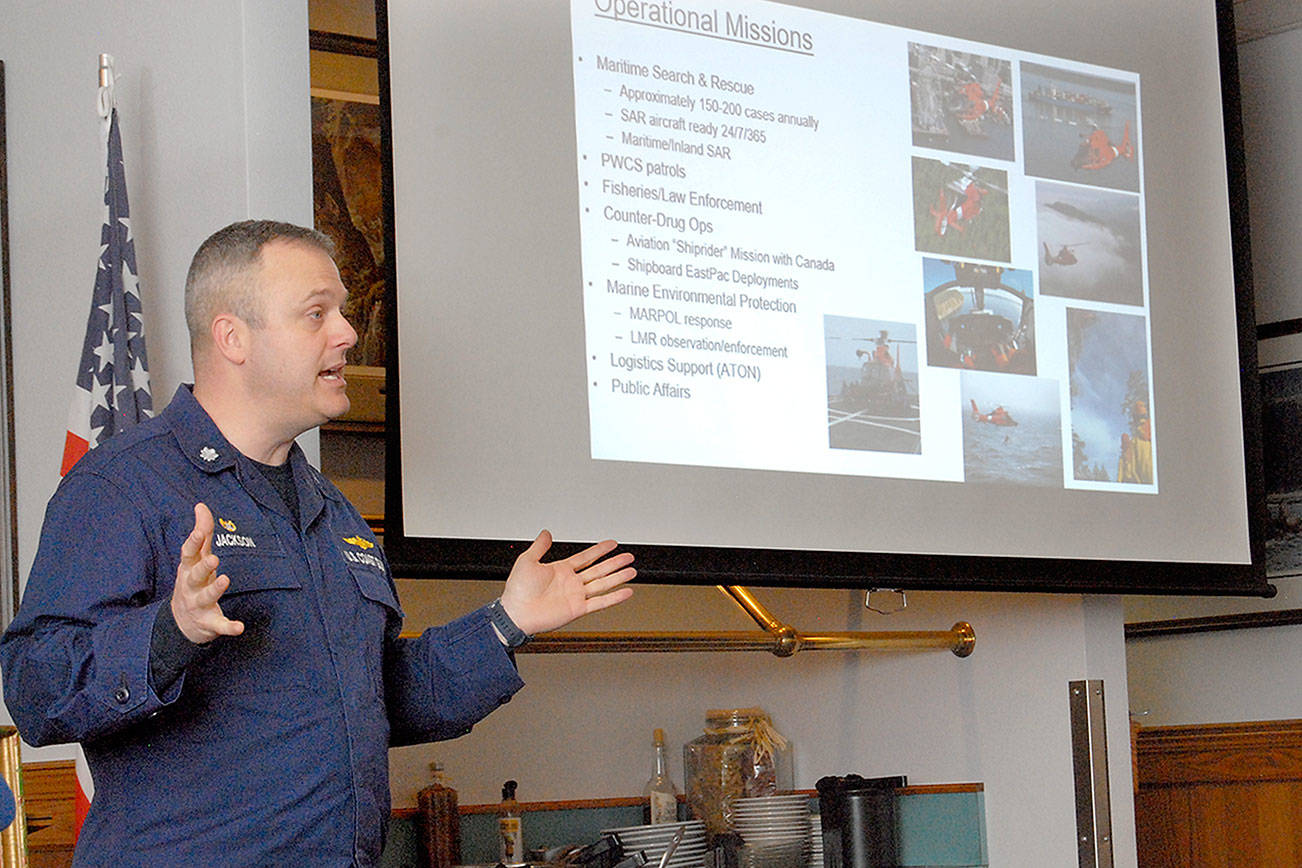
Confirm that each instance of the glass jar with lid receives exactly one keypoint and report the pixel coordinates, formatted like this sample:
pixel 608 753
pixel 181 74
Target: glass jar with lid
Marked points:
pixel 740 754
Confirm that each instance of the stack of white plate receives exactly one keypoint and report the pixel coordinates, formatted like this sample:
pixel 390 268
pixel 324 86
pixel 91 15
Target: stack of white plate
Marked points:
pixel 816 841
pixel 775 830
pixel 654 840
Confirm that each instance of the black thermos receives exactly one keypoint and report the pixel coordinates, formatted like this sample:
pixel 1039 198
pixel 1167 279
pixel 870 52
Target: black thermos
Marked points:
pixel 860 828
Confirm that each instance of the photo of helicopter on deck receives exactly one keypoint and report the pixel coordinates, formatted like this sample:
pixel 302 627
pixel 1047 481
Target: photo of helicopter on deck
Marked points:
pixel 872 385
pixel 961 101
pixel 960 210
pixel 1090 244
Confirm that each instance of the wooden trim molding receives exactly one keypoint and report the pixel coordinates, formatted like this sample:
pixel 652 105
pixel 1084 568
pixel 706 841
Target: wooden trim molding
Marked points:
pixel 1212 623
pixel 50 789
pixel 342 43
pixel 1253 752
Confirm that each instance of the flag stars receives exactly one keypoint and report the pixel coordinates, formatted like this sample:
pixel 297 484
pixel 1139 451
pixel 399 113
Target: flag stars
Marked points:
pixel 104 352
pixel 140 374
pixel 130 283
pixel 113 383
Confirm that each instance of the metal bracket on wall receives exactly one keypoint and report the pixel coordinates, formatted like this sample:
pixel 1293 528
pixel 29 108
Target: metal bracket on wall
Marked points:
pixel 777 637
pixel 1089 760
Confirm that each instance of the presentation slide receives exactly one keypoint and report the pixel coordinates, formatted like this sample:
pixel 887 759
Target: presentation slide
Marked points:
pixel 890 278
pixel 800 233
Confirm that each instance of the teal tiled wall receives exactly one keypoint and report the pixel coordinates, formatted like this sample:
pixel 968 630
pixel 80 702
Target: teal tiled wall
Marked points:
pixel 937 830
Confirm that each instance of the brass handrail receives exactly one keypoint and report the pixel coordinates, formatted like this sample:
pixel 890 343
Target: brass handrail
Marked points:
pixel 778 638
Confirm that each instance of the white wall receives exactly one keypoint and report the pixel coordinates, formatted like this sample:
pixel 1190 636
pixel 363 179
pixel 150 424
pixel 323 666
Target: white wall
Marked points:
pixel 212 98
pixel 1242 674
pixel 215 128
pixel 1272 128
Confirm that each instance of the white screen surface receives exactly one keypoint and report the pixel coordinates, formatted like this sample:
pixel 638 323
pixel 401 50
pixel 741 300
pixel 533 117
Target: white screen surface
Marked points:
pixel 612 326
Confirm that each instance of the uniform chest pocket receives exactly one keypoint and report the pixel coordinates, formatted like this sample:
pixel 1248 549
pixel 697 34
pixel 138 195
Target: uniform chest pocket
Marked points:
pixel 267 596
pixel 373 620
pixel 374 586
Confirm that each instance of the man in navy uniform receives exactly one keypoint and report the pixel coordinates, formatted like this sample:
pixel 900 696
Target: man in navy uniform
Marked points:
pixel 217 625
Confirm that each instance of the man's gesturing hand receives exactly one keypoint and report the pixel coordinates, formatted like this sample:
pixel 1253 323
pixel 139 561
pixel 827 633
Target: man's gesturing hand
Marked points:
pixel 198 587
pixel 541 597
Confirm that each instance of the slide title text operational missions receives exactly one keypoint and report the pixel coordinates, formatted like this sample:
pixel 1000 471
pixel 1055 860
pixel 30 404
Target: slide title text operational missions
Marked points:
pixel 734 25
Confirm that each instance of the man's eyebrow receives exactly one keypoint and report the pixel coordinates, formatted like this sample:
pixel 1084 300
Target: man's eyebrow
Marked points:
pixel 320 291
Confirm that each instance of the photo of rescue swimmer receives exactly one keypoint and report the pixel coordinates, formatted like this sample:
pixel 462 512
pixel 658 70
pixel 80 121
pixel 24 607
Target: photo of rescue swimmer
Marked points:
pixel 1090 243
pixel 872 385
pixel 1080 128
pixel 961 101
pixel 1012 429
pixel 1111 424
pixel 960 210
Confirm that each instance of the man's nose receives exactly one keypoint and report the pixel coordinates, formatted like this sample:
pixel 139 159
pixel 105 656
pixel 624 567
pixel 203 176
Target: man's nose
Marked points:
pixel 347 334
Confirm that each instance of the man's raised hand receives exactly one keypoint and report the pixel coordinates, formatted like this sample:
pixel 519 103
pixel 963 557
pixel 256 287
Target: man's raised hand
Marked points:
pixel 544 596
pixel 198 587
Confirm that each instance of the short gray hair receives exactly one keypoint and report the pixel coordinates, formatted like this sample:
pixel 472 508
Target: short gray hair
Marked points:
pixel 222 276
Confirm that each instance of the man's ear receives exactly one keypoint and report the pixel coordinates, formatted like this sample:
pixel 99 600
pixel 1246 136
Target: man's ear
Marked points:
pixel 230 336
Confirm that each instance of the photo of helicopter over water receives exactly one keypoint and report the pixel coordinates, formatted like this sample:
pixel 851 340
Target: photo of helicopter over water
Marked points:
pixel 1012 429
pixel 979 317
pixel 1080 128
pixel 872 385
pixel 961 101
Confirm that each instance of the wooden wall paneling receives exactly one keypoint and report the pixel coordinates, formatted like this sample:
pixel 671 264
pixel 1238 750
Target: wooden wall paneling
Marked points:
pixel 1279 813
pixel 1163 828
pixel 1221 794
pixel 1224 823
pixel 49 791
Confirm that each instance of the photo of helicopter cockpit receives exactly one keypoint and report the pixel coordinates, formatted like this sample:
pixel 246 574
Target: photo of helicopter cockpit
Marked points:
pixel 979 317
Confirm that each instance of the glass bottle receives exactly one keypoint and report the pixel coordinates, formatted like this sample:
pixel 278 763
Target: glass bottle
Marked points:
pixel 439 821
pixel 661 805
pixel 740 754
pixel 509 829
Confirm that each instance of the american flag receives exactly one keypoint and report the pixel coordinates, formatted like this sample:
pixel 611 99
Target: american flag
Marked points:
pixel 112 389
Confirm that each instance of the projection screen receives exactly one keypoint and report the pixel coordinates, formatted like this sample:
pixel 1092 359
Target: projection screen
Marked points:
pixel 898 293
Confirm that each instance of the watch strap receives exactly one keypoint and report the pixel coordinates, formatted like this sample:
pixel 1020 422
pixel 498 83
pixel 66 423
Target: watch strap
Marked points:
pixel 514 636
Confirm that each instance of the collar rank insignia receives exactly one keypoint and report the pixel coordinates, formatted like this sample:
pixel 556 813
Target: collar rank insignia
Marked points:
pixel 208 454
pixel 360 542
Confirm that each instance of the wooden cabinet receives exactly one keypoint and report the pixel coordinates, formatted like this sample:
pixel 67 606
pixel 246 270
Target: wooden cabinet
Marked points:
pixel 1222 794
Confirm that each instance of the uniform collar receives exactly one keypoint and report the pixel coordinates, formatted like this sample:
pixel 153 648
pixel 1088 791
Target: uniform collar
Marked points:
pixel 206 448
pixel 197 434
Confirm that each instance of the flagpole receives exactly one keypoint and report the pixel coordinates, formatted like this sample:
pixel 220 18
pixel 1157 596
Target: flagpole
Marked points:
pixel 111 392
pixel 104 99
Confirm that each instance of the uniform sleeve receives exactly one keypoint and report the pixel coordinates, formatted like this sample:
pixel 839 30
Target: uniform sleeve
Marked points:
pixel 76 656
pixel 446 680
